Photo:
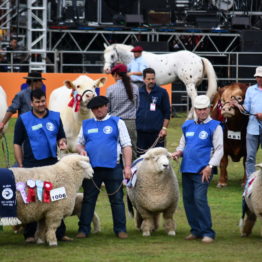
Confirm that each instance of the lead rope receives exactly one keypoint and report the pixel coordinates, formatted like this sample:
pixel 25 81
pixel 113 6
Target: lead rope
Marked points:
pixel 143 151
pixel 111 194
pixel 5 150
pixel 245 112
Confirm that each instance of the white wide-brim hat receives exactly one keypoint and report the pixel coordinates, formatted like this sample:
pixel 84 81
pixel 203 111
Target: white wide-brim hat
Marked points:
pixel 202 101
pixel 258 72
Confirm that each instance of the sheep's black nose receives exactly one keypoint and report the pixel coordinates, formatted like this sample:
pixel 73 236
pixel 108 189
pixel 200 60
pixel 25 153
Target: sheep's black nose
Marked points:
pixel 165 166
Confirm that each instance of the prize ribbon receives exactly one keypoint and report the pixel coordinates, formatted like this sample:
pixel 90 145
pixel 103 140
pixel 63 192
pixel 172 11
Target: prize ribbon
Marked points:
pixel 31 197
pixel 47 187
pixel 20 186
pixel 39 189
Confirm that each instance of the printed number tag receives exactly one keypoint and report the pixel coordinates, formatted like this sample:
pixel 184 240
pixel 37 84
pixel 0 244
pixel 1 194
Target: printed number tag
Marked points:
pixel 234 135
pixel 57 194
pixel 152 107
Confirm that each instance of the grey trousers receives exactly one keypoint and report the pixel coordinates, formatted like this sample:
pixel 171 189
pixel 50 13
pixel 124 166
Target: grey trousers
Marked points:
pixel 131 128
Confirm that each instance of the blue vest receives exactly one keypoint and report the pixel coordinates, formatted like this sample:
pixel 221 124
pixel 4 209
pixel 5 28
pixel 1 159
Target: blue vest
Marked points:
pixel 42 133
pixel 101 141
pixel 198 147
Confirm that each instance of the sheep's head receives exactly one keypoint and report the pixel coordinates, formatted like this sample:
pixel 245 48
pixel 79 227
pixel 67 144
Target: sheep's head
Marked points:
pixel 159 159
pixel 79 162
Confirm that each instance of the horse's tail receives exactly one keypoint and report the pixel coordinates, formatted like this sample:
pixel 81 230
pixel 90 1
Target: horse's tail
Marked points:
pixel 211 76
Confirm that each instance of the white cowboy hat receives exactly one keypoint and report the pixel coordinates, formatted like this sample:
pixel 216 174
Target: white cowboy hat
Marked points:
pixel 201 102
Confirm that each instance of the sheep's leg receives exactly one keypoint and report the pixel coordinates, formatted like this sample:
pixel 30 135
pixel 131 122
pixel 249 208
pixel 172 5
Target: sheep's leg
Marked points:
pixel 96 223
pixel 138 219
pixel 40 232
pixel 52 223
pixel 249 222
pixel 148 224
pixel 156 221
pixel 169 223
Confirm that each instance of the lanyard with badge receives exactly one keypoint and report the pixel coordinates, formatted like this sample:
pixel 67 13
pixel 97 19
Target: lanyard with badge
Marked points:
pixel 153 104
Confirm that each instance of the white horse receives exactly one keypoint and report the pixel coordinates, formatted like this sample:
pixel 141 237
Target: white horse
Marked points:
pixel 185 65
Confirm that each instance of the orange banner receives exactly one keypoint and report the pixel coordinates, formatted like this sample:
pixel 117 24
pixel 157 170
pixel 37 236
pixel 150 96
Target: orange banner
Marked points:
pixel 11 82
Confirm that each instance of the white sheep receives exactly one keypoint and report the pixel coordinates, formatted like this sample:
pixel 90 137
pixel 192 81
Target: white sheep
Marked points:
pixel 69 172
pixel 155 191
pixel 253 198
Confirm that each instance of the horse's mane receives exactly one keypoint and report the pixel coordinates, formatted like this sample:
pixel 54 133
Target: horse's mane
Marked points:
pixel 121 46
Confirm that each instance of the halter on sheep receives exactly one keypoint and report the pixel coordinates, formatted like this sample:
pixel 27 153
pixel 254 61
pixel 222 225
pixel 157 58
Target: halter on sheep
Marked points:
pixel 185 65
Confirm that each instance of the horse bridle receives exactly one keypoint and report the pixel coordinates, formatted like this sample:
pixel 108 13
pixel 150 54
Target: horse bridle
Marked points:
pixel 117 58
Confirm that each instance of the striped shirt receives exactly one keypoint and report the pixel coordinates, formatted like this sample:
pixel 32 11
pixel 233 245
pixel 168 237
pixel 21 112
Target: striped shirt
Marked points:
pixel 119 104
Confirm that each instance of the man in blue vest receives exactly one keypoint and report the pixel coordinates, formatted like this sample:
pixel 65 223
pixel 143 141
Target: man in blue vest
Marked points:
pixel 106 141
pixel 201 146
pixel 37 134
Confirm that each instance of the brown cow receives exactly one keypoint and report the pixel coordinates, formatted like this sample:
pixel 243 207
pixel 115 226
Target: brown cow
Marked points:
pixel 234 126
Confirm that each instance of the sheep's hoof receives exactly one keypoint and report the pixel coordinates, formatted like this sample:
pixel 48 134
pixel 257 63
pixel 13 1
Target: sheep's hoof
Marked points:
pixel 53 244
pixel 146 234
pixel 39 241
pixel 221 185
pixel 172 233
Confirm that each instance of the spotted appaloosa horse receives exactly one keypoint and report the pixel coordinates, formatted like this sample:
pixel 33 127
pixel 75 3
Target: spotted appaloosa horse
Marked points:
pixel 234 126
pixel 187 66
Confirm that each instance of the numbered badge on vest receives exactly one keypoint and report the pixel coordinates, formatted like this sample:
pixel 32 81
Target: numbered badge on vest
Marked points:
pixel 58 194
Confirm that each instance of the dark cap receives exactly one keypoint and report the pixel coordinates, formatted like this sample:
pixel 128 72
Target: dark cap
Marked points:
pixel 137 48
pixel 97 101
pixel 34 76
pixel 119 68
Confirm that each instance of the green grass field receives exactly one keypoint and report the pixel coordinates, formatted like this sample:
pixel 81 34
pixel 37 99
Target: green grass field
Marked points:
pixel 226 211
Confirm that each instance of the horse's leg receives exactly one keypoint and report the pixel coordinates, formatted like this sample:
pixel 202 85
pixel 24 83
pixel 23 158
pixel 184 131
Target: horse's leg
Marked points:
pixel 192 93
pixel 223 172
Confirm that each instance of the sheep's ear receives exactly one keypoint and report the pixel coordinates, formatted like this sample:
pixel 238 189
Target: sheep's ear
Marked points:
pixel 84 164
pixel 169 155
pixel 69 84
pixel 259 165
pixel 105 45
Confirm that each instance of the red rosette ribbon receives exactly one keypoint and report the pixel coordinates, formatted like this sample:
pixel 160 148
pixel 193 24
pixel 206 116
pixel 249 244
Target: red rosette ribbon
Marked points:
pixel 47 187
pixel 31 196
pixel 72 101
pixel 78 99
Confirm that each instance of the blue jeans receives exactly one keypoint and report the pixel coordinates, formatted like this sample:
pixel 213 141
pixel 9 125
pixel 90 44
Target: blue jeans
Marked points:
pixel 112 178
pixel 253 142
pixel 196 205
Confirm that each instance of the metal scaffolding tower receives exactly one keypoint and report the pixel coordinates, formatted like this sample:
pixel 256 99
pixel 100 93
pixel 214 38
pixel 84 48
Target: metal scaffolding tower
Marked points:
pixel 37 34
pixel 5 16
